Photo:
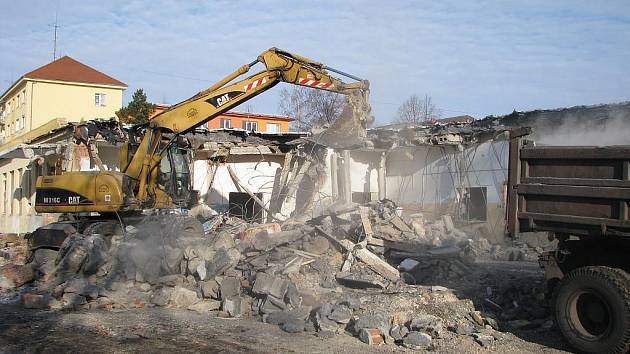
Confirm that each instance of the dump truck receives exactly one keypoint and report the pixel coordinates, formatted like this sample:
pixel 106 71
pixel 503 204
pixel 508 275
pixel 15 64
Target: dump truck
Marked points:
pixel 580 195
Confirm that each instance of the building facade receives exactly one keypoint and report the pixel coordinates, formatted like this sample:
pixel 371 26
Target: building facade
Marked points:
pixel 263 123
pixel 257 122
pixel 63 89
pixel 40 103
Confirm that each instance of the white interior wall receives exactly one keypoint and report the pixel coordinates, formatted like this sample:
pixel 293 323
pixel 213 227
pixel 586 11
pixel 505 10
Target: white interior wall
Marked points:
pixel 257 175
pixel 429 174
pixel 364 171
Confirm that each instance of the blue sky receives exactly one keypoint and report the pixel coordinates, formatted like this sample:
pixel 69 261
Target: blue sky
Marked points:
pixel 474 57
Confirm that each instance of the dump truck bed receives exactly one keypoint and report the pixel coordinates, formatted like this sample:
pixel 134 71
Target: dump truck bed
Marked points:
pixel 568 190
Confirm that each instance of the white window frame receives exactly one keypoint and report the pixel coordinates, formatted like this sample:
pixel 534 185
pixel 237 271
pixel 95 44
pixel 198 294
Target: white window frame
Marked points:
pixel 100 99
pixel 277 125
pixel 251 126
pixel 226 123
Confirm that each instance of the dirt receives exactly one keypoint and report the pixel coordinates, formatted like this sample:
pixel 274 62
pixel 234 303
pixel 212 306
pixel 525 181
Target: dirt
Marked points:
pixel 169 330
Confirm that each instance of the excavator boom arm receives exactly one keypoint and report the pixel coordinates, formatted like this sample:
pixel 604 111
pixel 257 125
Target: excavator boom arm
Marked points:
pixel 280 66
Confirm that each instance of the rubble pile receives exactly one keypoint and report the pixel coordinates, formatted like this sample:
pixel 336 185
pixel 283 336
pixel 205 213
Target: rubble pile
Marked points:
pixel 362 270
pixel 12 249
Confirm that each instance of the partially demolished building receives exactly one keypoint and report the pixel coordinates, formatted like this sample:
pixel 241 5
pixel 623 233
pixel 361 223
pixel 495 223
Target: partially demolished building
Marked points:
pixel 454 169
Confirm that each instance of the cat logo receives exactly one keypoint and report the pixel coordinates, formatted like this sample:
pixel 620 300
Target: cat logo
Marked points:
pixel 222 99
pixel 74 199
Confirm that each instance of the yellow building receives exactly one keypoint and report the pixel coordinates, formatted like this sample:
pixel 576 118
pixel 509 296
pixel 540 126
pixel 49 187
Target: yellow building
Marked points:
pixel 35 110
pixel 63 89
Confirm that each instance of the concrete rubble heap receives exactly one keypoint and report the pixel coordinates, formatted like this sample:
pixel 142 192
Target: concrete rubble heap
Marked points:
pixel 363 270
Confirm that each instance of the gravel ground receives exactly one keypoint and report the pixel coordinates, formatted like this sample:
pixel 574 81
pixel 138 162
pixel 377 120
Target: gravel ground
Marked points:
pixel 169 330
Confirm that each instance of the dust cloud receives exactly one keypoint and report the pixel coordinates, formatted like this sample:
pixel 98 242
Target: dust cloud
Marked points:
pixel 580 130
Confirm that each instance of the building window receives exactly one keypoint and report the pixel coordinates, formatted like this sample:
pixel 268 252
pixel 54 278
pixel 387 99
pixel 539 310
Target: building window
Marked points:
pixel 23 96
pixel 273 128
pixel 226 123
pixel 250 126
pixel 99 99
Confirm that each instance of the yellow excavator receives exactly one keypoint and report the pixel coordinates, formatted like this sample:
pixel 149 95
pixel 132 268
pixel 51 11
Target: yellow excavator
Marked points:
pixel 97 200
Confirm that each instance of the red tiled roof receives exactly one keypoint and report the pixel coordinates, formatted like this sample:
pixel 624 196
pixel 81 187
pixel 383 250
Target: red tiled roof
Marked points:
pixel 68 69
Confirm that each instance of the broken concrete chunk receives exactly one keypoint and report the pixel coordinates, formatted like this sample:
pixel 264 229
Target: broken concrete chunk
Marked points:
pixel 352 302
pixel 266 284
pixel 483 339
pixel 13 275
pixel 448 223
pixel 293 325
pixel 209 289
pixel 234 306
pixel 200 270
pixel 249 235
pixel 318 245
pixel 465 329
pixel 476 316
pixel 292 296
pixel 182 297
pixel 271 304
pixel 267 242
pixel 340 314
pixel 352 281
pixel 230 287
pixel 72 299
pixel 400 224
pixel 222 261
pixel 378 265
pixel 325 325
pixel 429 324
pixel 408 265
pixel 222 240
pixel 398 332
pixel 417 340
pixel 371 336
pixel 371 321
pixel 44 260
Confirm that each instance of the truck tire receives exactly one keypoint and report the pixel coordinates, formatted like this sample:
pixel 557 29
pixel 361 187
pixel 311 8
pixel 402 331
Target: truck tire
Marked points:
pixel 592 309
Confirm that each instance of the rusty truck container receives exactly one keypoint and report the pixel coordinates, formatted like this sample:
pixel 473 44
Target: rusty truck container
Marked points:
pixel 581 196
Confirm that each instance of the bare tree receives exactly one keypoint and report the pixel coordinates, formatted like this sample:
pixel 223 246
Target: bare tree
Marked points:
pixel 310 107
pixel 417 110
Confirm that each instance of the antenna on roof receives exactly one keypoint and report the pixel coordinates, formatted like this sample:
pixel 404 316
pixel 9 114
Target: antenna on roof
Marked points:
pixel 55 26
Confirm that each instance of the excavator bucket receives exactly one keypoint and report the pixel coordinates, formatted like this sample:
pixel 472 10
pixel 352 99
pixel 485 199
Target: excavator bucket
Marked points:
pixel 350 128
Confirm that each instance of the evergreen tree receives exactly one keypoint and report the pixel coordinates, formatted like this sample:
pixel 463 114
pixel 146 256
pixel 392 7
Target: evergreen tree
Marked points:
pixel 137 110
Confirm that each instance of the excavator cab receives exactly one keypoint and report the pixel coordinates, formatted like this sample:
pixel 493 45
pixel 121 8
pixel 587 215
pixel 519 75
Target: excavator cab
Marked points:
pixel 174 175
